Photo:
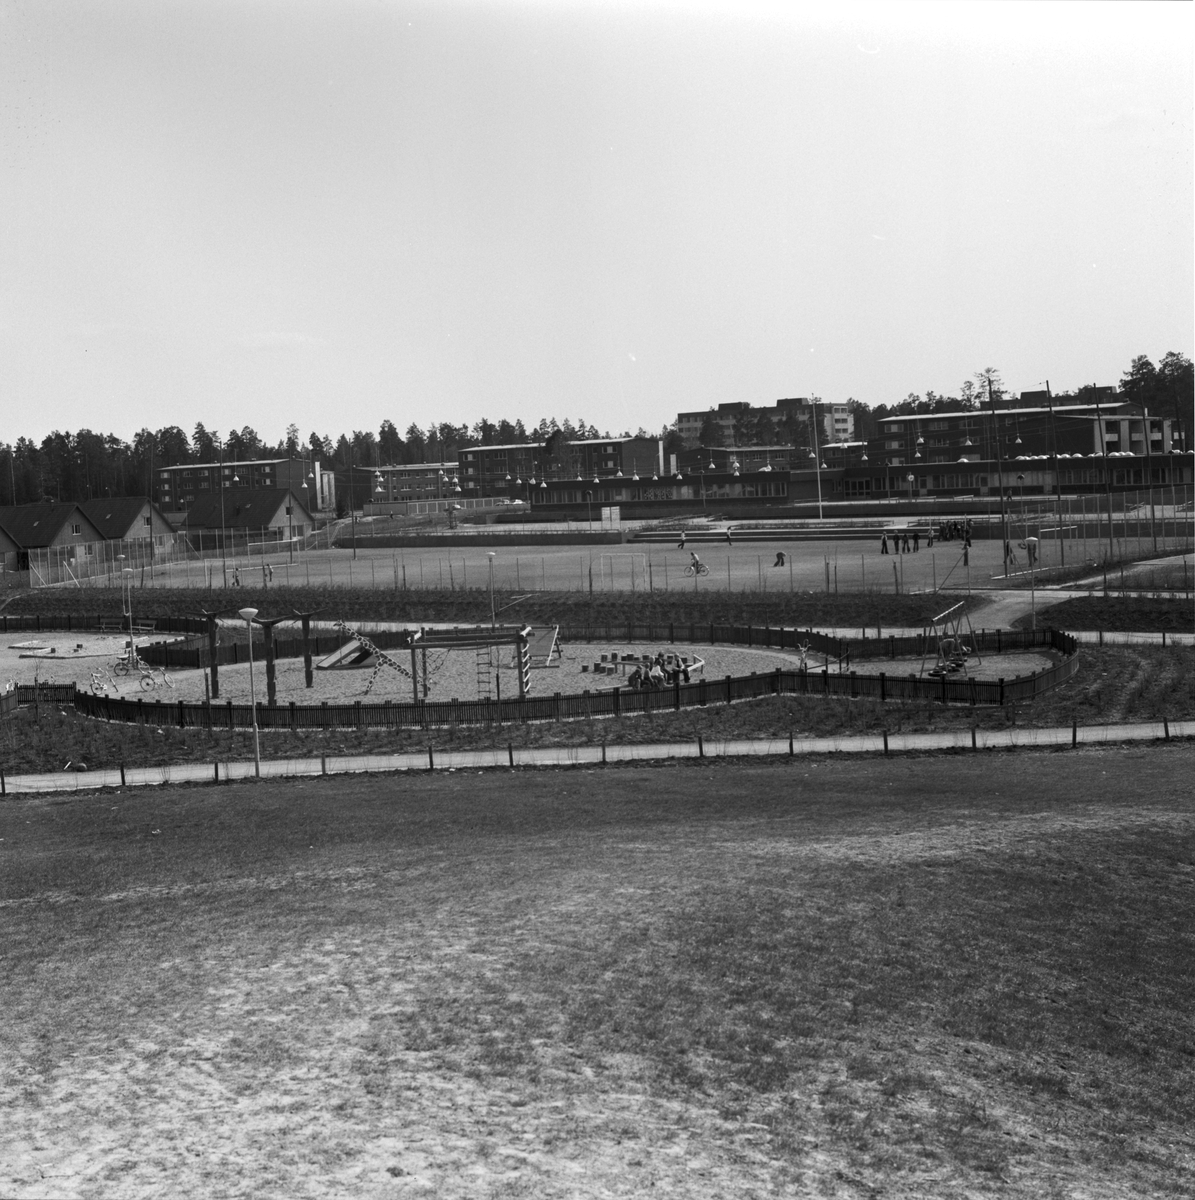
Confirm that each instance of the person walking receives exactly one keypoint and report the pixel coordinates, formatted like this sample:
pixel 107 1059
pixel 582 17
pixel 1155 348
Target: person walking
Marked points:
pixel 916 540
pixel 883 543
pixel 779 559
pixel 905 542
pixel 728 541
pixel 681 544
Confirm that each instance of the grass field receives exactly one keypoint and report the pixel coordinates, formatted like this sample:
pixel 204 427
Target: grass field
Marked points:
pixel 838 978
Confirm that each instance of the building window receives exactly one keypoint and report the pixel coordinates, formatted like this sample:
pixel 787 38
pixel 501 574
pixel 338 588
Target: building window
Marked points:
pixel 76 530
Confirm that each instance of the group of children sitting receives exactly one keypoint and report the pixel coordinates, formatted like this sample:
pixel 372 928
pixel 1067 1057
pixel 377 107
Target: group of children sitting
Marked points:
pixel 660 672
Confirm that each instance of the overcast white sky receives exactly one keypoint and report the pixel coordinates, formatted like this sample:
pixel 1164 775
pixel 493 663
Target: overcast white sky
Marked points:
pixel 335 212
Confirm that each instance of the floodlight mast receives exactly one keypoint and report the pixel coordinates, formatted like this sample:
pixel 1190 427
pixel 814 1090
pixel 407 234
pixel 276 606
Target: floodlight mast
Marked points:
pixel 817 459
pixel 248 614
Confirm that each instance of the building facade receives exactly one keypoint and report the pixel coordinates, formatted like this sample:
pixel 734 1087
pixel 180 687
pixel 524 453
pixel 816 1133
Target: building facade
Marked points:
pixel 835 422
pixel 523 470
pixel 178 488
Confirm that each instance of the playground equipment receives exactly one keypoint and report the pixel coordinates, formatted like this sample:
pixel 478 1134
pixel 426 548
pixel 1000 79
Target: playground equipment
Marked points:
pixel 544 642
pixel 955 641
pixel 360 653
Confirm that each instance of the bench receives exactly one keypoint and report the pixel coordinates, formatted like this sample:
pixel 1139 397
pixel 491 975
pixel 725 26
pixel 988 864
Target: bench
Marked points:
pixel 114 626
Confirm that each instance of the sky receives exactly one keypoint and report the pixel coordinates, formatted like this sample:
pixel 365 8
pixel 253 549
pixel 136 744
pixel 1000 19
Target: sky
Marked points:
pixel 338 212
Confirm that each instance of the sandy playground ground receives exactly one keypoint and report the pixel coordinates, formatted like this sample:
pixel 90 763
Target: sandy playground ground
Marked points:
pixel 87 660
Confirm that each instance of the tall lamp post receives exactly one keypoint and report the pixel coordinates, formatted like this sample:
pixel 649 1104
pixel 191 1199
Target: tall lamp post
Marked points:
pixel 1029 551
pixel 1149 474
pixel 999 476
pixel 1057 476
pixel 249 614
pixel 127 582
pixel 817 459
pixel 491 558
pixel 223 535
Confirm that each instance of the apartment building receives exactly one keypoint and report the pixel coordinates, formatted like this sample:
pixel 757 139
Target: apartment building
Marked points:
pixel 179 487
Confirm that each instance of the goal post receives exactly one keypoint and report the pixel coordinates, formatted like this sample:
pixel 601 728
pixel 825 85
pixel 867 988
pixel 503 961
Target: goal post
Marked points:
pixel 625 572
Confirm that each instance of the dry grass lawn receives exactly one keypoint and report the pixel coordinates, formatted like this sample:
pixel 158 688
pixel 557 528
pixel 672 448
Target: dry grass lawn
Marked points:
pixel 916 977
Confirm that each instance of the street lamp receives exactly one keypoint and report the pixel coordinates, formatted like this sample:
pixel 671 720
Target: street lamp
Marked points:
pixel 1024 519
pixel 249 614
pixel 491 558
pixel 127 581
pixel 817 458
pixel 1149 474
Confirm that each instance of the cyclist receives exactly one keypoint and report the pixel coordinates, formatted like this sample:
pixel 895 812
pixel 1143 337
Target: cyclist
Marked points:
pixel 696 562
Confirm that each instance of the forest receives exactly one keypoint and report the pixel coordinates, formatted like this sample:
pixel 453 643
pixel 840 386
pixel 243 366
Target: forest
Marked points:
pixel 86 465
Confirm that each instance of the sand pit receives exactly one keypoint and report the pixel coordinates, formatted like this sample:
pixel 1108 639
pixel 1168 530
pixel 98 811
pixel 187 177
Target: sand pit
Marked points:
pixel 453 675
pixel 64 657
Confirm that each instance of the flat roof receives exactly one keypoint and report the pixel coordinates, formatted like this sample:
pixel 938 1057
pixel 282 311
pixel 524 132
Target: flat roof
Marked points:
pixel 1059 410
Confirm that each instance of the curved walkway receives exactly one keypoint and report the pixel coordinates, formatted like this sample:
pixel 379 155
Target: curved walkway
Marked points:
pixel 571 756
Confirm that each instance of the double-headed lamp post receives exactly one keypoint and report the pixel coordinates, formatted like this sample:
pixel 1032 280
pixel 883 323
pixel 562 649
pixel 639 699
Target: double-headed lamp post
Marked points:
pixel 249 614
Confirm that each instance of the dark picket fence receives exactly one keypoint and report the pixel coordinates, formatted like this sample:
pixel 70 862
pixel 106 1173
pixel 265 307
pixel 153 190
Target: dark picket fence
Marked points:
pixel 46 693
pixel 611 702
pixel 90 622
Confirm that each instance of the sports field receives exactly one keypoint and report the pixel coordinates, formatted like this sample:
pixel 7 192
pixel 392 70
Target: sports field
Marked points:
pixel 831 978
pixel 845 566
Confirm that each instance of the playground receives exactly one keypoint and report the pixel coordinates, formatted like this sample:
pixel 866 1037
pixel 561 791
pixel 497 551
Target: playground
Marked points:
pixel 95 662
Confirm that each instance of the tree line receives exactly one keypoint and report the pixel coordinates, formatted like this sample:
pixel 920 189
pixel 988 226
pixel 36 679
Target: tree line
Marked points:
pixel 88 465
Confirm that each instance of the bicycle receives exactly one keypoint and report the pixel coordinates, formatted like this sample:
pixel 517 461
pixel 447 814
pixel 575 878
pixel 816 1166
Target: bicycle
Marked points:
pixel 699 569
pixel 150 678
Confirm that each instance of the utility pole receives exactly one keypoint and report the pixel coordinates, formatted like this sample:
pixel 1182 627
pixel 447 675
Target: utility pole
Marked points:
pixel 817 459
pixel 1057 476
pixel 1000 475
pixel 1099 420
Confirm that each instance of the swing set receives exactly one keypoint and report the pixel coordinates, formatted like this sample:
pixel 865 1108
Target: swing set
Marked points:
pixel 954 639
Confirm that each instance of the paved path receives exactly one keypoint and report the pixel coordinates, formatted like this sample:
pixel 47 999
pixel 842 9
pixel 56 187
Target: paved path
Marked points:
pixel 569 756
